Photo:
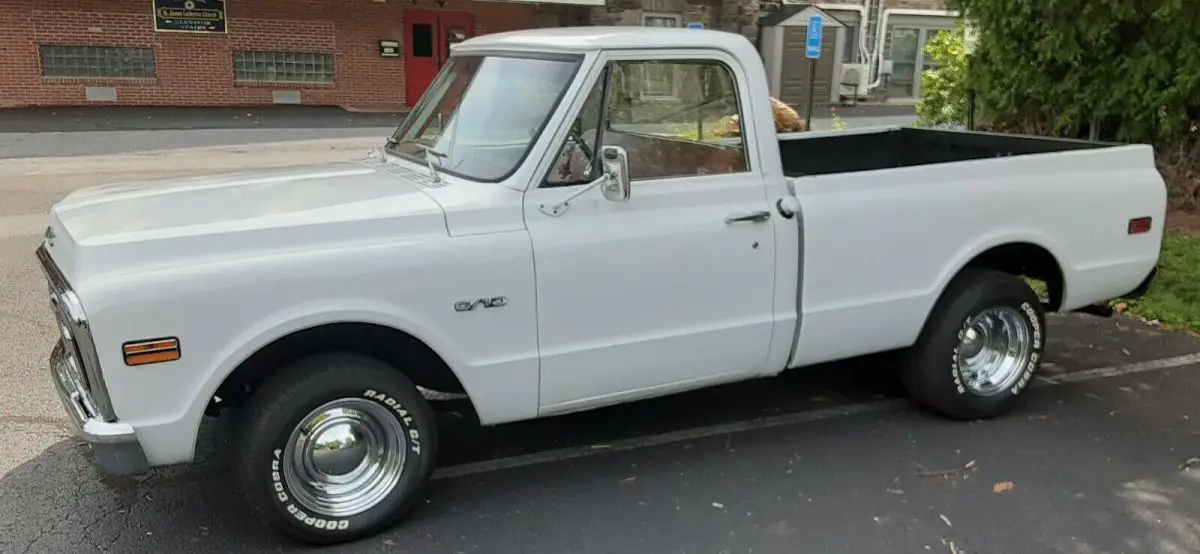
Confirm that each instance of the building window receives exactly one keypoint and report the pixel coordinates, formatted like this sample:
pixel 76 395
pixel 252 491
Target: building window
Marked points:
pixel 283 67
pixel 907 53
pixel 659 80
pixel 112 62
pixel 850 47
pixel 652 19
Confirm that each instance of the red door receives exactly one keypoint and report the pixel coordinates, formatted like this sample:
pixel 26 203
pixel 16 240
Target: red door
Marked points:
pixel 429 35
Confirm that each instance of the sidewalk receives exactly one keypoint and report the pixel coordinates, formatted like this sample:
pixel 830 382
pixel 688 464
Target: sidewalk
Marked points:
pixel 120 118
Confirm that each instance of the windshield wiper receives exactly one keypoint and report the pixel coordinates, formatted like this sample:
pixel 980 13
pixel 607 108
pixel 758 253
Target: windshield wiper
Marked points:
pixel 429 153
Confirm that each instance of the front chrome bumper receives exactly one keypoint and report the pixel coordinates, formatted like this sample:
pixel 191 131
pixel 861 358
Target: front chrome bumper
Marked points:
pixel 117 450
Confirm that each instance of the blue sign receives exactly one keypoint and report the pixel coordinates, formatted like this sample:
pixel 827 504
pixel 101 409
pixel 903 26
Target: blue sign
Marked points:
pixel 696 25
pixel 812 44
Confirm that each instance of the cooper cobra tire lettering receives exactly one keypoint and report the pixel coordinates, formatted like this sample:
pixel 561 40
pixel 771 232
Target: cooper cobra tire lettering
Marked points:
pixel 299 514
pixel 281 402
pixel 931 373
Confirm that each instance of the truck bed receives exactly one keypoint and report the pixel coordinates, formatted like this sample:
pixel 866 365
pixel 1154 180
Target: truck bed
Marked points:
pixel 823 153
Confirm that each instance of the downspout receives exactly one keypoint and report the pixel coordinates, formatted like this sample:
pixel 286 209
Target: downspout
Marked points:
pixel 877 56
pixel 876 64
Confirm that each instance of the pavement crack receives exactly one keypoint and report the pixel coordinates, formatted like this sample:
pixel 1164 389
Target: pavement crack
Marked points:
pixel 54 422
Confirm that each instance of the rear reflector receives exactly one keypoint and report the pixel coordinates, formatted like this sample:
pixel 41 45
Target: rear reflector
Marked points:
pixel 151 351
pixel 1139 225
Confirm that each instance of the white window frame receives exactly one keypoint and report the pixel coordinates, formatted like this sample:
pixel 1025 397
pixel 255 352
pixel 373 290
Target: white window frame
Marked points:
pixel 677 17
pixel 674 94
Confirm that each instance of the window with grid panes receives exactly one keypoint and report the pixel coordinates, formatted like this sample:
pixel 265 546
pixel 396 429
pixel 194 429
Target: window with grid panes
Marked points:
pixel 283 67
pixel 659 80
pixel 114 62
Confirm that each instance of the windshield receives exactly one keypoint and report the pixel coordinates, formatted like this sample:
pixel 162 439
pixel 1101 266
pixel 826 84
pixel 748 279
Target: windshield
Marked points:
pixel 482 114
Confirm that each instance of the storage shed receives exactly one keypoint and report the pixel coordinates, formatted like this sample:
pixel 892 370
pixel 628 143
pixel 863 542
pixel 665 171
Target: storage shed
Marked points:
pixel 782 46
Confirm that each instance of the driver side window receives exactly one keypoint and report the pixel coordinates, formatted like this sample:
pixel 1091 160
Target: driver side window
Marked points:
pixel 676 118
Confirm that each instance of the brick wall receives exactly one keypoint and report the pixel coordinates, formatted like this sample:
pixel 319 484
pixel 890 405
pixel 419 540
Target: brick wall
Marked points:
pixel 197 69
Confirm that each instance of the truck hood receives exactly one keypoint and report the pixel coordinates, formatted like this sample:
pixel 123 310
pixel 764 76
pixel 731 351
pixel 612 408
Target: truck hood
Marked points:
pixel 126 225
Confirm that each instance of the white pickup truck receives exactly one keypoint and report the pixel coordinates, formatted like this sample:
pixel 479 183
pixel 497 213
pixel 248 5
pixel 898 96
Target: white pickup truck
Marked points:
pixel 554 229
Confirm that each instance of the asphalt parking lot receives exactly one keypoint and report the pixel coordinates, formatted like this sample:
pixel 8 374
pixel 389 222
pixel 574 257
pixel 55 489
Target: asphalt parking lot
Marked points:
pixel 830 459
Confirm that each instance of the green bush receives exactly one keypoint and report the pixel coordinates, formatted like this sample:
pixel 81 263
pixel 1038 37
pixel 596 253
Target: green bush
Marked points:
pixel 1121 70
pixel 1056 66
pixel 944 90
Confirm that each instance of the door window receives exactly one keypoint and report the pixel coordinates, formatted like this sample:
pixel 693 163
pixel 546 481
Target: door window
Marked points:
pixel 454 35
pixel 697 132
pixel 422 38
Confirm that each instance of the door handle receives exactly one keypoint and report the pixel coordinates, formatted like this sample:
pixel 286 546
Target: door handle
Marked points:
pixel 752 217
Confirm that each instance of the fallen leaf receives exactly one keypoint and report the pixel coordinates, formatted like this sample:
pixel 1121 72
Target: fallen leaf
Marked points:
pixel 1120 307
pixel 1002 487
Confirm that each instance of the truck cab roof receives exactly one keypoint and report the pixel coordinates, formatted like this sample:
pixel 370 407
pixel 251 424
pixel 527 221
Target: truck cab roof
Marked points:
pixel 581 40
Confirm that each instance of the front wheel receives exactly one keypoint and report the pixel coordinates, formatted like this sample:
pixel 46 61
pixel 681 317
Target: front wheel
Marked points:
pixel 335 447
pixel 981 347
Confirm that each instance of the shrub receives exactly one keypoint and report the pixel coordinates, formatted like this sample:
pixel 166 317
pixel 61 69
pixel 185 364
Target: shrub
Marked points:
pixel 1129 68
pixel 944 89
pixel 1131 65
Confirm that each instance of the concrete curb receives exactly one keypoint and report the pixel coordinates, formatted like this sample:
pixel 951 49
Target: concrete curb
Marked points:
pixel 202 159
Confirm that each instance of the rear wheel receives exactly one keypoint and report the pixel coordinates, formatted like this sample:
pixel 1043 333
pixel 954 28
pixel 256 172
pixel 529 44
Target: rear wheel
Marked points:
pixel 980 348
pixel 335 447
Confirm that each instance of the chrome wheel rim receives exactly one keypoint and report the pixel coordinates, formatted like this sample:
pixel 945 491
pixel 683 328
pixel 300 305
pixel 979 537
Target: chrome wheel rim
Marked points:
pixel 345 457
pixel 993 350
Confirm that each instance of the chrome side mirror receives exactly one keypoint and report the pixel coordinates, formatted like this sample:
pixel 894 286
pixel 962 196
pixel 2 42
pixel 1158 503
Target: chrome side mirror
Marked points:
pixel 616 168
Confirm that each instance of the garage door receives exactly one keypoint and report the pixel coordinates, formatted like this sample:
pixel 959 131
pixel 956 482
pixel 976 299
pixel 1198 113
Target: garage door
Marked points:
pixel 794 75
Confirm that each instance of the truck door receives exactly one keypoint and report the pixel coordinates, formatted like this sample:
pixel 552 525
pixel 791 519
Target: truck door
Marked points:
pixel 674 288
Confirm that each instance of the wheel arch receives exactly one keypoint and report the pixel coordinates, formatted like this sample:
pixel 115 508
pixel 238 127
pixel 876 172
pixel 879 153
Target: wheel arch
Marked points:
pixel 1018 257
pixel 1025 259
pixel 400 349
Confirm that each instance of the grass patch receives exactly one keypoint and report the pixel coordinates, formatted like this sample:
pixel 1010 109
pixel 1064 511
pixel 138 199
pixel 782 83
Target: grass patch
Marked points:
pixel 1174 297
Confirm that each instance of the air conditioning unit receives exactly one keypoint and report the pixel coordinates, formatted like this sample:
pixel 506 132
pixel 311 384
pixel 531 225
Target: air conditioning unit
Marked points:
pixel 854 80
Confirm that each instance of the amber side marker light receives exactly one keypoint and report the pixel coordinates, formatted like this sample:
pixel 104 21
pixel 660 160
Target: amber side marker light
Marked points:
pixel 1140 225
pixel 153 351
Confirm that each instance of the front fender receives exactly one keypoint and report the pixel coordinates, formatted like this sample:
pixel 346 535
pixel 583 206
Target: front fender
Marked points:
pixel 223 314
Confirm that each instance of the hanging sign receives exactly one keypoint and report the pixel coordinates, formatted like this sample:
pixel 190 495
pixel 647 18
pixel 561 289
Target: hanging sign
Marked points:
pixel 189 16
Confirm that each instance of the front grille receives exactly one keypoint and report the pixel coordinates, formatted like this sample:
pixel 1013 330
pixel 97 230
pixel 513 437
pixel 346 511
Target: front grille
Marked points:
pixel 82 365
pixel 73 358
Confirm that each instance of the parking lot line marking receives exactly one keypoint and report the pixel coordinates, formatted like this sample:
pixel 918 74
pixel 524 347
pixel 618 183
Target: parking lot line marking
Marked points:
pixel 878 406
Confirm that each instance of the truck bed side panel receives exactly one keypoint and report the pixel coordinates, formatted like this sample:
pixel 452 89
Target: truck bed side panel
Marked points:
pixel 880 245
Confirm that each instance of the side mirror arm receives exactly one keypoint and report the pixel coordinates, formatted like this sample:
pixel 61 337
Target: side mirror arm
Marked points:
pixel 614 180
pixel 558 208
